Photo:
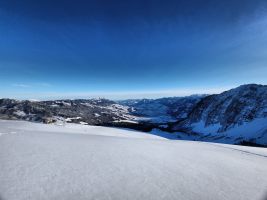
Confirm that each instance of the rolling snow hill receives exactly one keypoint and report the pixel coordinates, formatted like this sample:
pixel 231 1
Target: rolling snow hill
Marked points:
pixel 52 162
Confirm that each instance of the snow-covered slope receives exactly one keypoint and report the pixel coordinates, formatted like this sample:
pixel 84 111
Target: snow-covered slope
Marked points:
pixel 235 115
pixel 50 162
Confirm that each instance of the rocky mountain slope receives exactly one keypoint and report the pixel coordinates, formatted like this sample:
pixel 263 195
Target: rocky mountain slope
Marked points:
pixel 239 114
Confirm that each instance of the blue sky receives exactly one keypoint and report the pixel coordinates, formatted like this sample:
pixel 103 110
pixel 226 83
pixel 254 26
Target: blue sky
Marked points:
pixel 130 49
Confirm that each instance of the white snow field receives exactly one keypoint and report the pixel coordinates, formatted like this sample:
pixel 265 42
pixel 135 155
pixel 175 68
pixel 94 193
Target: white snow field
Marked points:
pixel 79 162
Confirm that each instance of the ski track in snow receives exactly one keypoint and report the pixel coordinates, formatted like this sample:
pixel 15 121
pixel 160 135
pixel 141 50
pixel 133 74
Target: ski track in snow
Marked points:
pixel 49 162
pixel 240 150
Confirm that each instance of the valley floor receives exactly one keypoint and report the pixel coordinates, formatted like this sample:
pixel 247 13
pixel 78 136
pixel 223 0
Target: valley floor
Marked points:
pixel 50 162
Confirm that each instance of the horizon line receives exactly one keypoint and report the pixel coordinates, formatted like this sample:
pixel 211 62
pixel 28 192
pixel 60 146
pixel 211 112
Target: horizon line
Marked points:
pixel 118 95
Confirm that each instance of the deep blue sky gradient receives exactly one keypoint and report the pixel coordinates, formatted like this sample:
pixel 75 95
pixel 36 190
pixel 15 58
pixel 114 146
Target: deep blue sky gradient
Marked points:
pixel 127 49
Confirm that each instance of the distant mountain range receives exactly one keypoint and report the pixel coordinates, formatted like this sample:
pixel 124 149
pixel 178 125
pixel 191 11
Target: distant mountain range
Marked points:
pixel 235 116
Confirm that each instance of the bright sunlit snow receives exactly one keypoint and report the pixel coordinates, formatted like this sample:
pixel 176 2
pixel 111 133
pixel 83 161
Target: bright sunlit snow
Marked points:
pixel 50 162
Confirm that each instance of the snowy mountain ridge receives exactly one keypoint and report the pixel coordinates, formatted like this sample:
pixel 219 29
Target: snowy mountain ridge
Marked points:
pixel 239 114
pixel 233 116
pixel 99 111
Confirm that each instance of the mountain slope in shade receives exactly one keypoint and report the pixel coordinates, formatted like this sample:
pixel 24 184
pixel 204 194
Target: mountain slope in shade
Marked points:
pixel 169 109
pixel 239 114
pixel 50 162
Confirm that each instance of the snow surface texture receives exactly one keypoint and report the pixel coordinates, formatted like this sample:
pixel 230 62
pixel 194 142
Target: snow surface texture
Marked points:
pixel 50 162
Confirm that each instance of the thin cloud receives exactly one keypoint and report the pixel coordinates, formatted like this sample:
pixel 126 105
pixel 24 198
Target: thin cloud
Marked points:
pixel 44 84
pixel 21 85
